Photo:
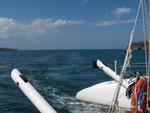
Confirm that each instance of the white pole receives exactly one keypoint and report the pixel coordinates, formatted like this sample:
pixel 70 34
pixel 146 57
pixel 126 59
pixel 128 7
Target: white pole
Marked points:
pixel 111 73
pixel 115 66
pixel 31 93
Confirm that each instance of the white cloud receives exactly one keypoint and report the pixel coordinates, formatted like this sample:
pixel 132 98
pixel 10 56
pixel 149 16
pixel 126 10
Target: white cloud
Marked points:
pixel 114 22
pixel 12 28
pixel 55 23
pixel 121 11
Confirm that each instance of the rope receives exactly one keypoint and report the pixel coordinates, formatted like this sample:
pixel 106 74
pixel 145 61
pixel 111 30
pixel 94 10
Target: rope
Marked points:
pixel 145 30
pixel 144 15
pixel 146 60
pixel 126 63
pixel 149 55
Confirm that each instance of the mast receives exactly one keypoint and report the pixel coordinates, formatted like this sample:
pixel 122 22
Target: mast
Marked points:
pixel 125 64
pixel 148 74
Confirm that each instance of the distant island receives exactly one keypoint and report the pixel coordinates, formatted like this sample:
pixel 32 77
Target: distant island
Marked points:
pixel 8 49
pixel 139 45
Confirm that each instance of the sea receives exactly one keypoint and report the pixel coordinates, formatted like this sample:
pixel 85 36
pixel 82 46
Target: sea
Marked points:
pixel 58 75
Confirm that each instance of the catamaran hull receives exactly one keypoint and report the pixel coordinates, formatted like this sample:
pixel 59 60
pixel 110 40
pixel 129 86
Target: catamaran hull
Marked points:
pixel 103 93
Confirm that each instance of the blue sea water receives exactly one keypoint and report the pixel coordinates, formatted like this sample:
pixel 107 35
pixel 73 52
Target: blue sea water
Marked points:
pixel 58 75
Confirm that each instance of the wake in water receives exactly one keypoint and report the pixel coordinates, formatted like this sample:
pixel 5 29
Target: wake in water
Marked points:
pixel 64 103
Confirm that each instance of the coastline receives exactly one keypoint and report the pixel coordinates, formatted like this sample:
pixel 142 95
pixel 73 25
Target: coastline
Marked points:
pixel 8 49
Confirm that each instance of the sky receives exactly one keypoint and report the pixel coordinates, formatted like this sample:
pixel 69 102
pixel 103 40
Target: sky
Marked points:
pixel 66 24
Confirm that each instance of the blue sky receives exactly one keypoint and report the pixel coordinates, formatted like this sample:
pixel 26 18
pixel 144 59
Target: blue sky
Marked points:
pixel 66 24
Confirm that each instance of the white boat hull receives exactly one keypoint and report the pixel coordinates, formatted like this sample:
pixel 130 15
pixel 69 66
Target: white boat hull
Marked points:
pixel 103 93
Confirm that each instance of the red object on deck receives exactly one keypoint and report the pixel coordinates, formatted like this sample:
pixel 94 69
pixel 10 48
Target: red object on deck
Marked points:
pixel 135 108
